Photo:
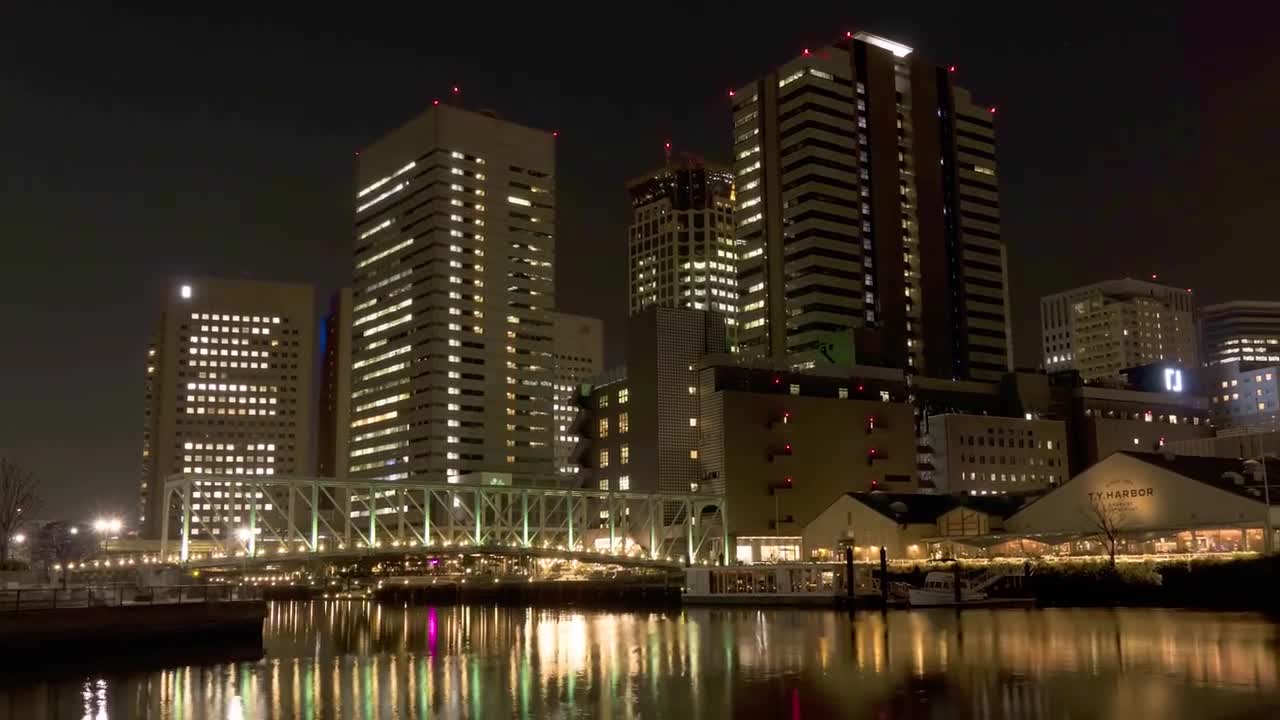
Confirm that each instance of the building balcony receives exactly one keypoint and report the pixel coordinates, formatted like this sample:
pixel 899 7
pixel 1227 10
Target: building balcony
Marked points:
pixel 781 453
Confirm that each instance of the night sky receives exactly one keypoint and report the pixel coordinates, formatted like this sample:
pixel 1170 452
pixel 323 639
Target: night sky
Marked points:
pixel 135 147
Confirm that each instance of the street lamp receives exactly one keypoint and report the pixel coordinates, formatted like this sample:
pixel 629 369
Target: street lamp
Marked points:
pixel 19 538
pixel 244 535
pixel 107 528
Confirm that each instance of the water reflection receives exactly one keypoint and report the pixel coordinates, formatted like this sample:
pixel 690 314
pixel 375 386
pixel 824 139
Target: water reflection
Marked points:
pixel 362 661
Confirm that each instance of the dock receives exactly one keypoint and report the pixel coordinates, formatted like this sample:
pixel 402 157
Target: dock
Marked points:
pixel 40 622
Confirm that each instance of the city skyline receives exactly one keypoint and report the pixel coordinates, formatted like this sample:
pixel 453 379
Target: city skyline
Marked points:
pixel 253 215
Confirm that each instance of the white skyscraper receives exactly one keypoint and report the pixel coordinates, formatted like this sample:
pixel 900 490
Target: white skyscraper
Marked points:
pixel 1110 326
pixel 452 348
pixel 228 394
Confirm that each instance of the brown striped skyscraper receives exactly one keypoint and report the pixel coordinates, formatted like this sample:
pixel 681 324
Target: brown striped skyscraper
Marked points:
pixel 868 212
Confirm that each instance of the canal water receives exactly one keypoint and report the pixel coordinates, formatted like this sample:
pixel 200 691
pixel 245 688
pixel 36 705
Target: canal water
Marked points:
pixel 363 661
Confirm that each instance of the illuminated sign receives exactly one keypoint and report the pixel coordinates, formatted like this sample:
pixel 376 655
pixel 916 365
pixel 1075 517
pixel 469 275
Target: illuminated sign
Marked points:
pixel 1172 380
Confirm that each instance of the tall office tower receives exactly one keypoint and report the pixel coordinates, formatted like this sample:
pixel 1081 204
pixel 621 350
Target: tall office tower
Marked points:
pixel 333 430
pixel 681 240
pixel 868 204
pixel 228 393
pixel 1106 327
pixel 578 357
pixel 1246 331
pixel 452 350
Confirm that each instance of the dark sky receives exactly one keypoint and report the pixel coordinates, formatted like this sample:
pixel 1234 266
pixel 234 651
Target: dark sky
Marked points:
pixel 135 146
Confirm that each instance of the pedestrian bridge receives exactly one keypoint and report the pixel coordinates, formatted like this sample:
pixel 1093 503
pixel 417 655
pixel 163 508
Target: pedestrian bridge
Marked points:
pixel 240 519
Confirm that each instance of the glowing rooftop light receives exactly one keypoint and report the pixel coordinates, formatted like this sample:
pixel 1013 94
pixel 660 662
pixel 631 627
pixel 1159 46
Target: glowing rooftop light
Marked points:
pixel 185 292
pixel 898 49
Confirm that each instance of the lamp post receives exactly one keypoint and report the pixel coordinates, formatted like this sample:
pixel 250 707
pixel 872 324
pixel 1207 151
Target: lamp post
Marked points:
pixel 243 535
pixel 107 528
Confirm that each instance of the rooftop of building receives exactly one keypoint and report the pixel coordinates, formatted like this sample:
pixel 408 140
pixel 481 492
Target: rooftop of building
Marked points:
pixel 1127 287
pixel 1270 306
pixel 923 508
pixel 783 366
pixel 1238 476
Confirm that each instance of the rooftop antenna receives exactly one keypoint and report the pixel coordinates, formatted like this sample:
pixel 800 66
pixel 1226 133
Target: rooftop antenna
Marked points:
pixel 667 151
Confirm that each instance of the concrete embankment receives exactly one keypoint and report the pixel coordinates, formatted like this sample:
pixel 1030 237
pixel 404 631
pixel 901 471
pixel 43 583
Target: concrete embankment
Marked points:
pixel 124 628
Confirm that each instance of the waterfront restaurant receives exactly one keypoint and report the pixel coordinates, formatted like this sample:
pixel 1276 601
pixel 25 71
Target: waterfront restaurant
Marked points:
pixel 903 524
pixel 1152 503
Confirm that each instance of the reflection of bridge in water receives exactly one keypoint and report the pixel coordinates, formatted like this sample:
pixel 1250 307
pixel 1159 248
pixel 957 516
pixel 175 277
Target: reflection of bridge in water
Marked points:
pixel 242 519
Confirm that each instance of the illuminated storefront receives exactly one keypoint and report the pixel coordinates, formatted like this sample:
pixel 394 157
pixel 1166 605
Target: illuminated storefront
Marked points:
pixel 767 549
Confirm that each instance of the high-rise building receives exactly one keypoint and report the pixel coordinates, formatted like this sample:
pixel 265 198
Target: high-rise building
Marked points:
pixel 228 393
pixel 868 204
pixel 1101 329
pixel 452 366
pixel 333 430
pixel 1246 331
pixel 578 357
pixel 681 250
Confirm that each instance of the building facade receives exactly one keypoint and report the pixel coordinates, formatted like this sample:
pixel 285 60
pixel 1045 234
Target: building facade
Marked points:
pixel 868 205
pixel 578 358
pixel 642 429
pixel 1244 394
pixel 987 455
pixel 333 429
pixel 681 248
pixel 1241 331
pixel 1102 329
pixel 452 362
pixel 782 446
pixel 1109 420
pixel 228 393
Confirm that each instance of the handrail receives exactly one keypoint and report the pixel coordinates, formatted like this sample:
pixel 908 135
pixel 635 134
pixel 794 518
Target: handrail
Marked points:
pixel 121 595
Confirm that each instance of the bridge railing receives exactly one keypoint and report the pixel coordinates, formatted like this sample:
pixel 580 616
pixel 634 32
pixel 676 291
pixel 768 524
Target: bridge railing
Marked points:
pixel 253 517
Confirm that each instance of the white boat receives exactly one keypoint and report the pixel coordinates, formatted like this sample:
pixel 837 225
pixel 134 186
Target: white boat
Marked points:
pixel 939 589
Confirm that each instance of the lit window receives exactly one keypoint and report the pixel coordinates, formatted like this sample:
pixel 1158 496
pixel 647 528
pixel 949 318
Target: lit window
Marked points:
pixel 604 458
pixel 623 395
pixel 693 454
pixel 624 454
pixel 604 428
pixel 624 422
pixel 624 482
pixel 693 422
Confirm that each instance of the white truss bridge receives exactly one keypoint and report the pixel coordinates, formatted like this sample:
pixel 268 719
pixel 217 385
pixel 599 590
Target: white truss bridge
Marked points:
pixel 232 518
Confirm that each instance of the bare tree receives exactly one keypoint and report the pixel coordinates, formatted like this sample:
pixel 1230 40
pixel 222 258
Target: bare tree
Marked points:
pixel 1107 519
pixel 19 501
